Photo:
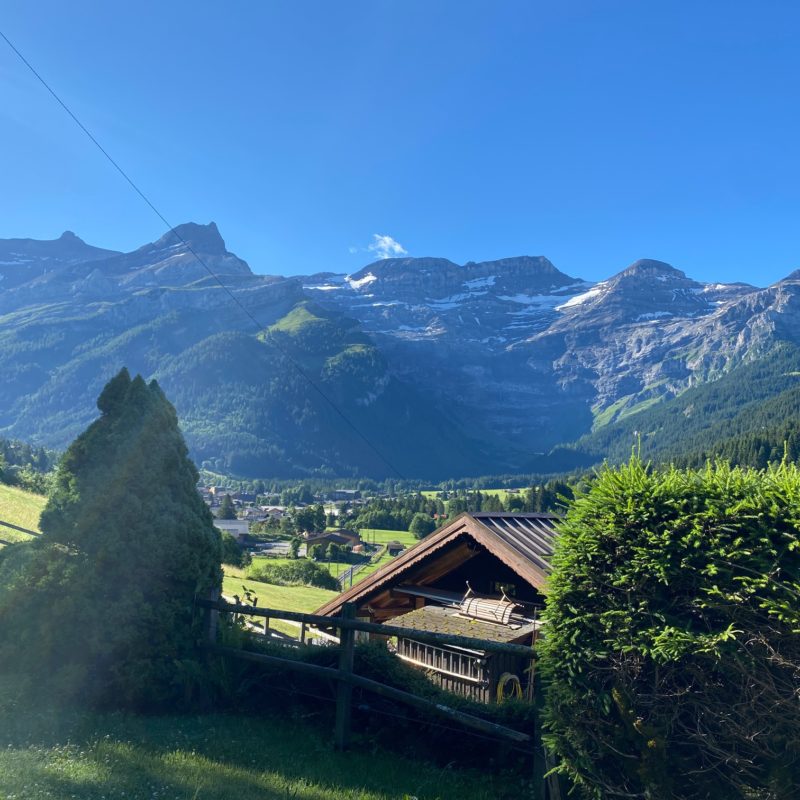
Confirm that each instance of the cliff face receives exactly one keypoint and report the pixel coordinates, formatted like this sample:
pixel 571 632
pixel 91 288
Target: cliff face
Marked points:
pixel 449 369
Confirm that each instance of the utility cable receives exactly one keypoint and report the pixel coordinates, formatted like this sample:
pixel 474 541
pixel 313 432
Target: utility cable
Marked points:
pixel 300 371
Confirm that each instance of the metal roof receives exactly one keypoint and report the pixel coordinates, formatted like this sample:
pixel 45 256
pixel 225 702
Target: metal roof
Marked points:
pixel 530 535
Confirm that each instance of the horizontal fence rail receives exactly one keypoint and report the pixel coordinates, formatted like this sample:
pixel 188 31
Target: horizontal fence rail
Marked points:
pixel 426 637
pixel 346 679
pixel 382 689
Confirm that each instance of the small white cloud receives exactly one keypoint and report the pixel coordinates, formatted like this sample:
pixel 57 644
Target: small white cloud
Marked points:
pixel 353 250
pixel 386 247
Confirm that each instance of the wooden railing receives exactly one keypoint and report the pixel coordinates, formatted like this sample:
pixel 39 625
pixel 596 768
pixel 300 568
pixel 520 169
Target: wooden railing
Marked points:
pixel 347 625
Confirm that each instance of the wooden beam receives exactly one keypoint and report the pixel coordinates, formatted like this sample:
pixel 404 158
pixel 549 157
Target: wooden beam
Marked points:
pixel 370 627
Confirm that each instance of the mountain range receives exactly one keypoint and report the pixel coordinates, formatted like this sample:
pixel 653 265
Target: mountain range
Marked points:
pixel 411 366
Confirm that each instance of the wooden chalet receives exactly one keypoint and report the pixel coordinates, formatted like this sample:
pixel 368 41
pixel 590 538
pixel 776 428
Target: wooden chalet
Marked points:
pixel 483 576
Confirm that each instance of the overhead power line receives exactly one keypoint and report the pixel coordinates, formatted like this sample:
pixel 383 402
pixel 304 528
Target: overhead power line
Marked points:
pixel 296 366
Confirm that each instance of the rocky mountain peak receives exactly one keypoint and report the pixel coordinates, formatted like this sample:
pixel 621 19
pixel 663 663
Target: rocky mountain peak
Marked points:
pixel 202 238
pixel 394 268
pixel 792 277
pixel 650 268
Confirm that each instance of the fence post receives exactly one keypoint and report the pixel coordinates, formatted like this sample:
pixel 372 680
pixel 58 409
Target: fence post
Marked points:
pixel 212 618
pixel 344 689
pixel 543 787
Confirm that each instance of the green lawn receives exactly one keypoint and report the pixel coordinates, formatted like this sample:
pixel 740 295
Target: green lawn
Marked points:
pixel 285 598
pixel 335 568
pixel 48 755
pixel 501 493
pixel 261 560
pixel 383 537
pixel 370 568
pixel 19 508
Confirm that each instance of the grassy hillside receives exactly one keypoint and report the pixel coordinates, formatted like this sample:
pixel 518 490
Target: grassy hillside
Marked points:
pixel 47 755
pixel 19 508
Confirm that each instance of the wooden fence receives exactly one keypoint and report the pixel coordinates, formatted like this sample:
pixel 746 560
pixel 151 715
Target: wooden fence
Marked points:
pixel 347 626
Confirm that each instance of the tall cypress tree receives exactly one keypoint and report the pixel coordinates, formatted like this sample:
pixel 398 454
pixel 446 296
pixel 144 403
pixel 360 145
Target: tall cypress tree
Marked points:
pixel 104 602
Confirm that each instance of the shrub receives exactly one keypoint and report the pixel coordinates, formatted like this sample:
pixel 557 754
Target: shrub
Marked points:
pixel 672 653
pixel 101 605
pixel 302 572
pixel 421 525
pixel 233 553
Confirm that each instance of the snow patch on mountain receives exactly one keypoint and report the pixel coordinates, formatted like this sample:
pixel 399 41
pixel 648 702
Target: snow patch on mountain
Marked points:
pixel 654 315
pixel 480 283
pixel 580 299
pixel 365 281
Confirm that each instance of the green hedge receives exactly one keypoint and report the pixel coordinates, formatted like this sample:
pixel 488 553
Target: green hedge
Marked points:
pixel 301 572
pixel 672 652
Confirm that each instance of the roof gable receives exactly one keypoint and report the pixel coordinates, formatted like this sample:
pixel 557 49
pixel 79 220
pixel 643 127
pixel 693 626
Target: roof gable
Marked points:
pixel 523 542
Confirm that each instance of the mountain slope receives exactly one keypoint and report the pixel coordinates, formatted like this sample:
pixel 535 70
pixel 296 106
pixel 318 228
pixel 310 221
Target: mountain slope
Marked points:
pixel 760 395
pixel 446 369
pixel 249 402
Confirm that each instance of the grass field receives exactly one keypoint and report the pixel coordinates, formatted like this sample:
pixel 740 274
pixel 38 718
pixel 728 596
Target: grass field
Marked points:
pixel 383 537
pixel 45 755
pixel 501 493
pixel 19 508
pixel 370 568
pixel 286 598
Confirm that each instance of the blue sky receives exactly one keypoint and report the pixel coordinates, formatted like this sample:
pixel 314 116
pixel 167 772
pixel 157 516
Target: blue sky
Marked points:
pixel 594 133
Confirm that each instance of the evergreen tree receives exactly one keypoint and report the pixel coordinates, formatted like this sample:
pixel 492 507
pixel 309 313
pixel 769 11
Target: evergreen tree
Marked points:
pixel 227 510
pixel 103 605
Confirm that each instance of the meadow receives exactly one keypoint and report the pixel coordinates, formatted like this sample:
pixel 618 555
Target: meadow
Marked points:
pixel 379 536
pixel 19 508
pixel 503 494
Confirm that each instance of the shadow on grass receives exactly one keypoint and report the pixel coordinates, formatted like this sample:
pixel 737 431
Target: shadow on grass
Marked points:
pixel 71 754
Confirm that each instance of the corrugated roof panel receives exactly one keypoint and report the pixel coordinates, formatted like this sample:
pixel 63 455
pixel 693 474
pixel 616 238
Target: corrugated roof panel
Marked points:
pixel 530 535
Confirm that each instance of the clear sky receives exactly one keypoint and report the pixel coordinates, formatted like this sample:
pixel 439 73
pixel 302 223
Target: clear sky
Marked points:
pixel 594 133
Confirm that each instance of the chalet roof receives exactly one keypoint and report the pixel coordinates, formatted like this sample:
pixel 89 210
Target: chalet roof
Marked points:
pixel 523 542
pixel 437 619
pixel 333 538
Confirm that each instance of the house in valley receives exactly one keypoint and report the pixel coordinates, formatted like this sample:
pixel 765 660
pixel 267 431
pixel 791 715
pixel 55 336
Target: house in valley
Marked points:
pixel 394 548
pixel 483 576
pixel 238 528
pixel 341 536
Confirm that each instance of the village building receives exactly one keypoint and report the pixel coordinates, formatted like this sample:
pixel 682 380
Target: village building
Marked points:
pixel 345 494
pixel 341 537
pixel 237 528
pixel 482 576
pixel 394 548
